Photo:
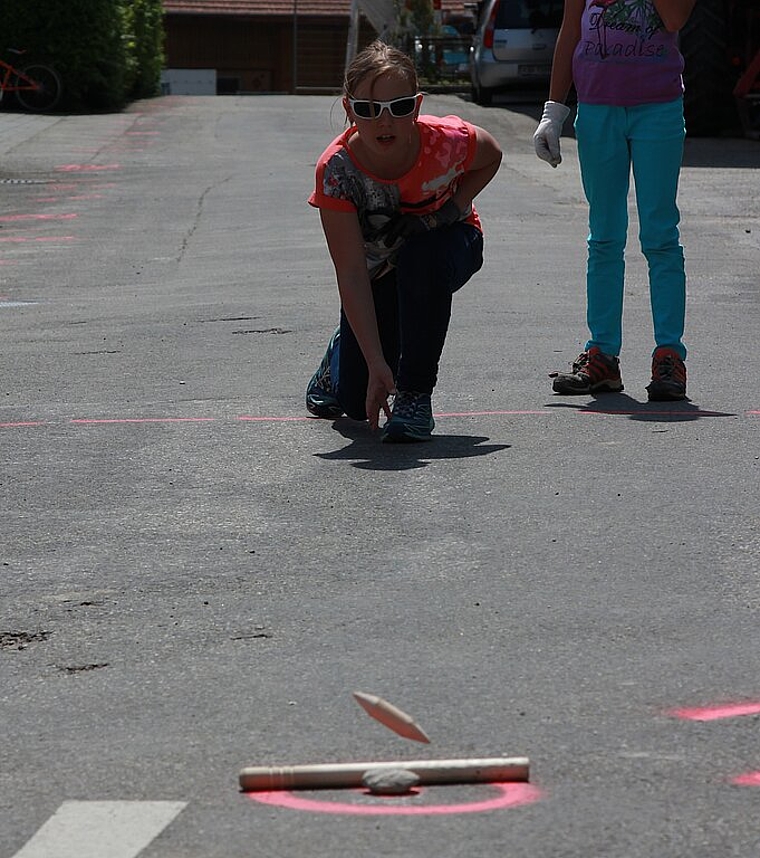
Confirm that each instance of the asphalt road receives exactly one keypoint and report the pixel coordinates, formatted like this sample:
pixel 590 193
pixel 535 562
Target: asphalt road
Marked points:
pixel 195 576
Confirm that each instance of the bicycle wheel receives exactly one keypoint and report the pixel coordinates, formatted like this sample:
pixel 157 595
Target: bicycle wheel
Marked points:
pixel 47 88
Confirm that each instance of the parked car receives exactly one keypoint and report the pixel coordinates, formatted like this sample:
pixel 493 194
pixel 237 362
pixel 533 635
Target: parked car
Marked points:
pixel 513 45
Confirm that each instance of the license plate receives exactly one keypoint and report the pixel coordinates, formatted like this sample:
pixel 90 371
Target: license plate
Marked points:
pixel 543 70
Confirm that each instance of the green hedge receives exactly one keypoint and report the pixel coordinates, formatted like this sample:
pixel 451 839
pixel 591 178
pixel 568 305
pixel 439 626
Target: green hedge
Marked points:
pixel 107 52
pixel 144 32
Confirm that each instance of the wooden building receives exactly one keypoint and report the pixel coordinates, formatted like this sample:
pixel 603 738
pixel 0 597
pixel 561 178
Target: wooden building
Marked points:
pixel 285 46
pixel 262 45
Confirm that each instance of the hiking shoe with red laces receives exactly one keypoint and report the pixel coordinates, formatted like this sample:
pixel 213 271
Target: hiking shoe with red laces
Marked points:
pixel 668 376
pixel 593 372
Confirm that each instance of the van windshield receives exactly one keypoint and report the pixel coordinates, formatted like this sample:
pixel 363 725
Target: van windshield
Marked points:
pixel 529 14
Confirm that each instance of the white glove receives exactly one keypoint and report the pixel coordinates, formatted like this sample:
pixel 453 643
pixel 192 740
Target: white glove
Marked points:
pixel 546 137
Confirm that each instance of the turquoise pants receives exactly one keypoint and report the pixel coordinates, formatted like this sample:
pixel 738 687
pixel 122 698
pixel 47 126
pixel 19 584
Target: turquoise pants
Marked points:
pixel 611 140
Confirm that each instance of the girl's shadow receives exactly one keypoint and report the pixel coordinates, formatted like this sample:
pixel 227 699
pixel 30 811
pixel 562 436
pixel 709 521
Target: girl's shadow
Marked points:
pixel 625 406
pixel 367 452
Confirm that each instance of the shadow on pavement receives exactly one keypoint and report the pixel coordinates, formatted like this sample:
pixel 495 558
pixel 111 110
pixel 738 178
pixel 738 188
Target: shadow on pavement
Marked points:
pixel 620 404
pixel 721 152
pixel 367 452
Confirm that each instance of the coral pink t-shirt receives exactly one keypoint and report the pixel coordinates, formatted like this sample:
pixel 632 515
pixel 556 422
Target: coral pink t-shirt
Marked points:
pixel 447 147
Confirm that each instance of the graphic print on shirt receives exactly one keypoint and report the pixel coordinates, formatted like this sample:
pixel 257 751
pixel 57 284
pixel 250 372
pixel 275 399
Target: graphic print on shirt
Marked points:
pixel 626 18
pixel 376 203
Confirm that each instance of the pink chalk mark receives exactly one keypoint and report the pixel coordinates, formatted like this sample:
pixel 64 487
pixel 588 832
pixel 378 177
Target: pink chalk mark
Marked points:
pixel 88 420
pixel 510 795
pixel 86 168
pixel 248 419
pixel 13 218
pixel 24 424
pixel 715 713
pixel 703 714
pixel 38 238
pixel 747 779
pixel 437 414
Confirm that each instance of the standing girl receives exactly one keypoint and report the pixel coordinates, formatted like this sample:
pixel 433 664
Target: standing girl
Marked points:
pixel 623 57
pixel 395 195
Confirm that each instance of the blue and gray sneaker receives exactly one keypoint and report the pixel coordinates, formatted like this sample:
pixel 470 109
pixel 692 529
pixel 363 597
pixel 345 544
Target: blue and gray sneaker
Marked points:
pixel 411 419
pixel 321 398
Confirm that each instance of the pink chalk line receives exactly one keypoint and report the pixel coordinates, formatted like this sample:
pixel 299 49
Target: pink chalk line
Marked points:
pixel 703 714
pixel 715 713
pixel 248 419
pixel 9 218
pixel 86 168
pixel 90 420
pixel 747 779
pixel 38 238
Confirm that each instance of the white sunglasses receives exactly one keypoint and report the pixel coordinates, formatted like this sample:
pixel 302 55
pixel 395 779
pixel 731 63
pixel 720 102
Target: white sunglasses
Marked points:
pixel 397 107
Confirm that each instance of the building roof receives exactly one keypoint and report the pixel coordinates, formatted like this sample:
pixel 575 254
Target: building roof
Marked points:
pixel 257 7
pixel 251 8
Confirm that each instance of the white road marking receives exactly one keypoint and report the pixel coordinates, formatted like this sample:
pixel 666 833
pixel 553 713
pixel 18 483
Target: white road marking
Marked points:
pixel 95 829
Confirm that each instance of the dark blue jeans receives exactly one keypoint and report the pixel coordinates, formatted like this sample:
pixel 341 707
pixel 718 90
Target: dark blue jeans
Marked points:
pixel 413 308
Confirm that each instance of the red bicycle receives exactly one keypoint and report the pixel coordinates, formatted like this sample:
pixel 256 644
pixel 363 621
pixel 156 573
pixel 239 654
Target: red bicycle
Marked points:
pixel 37 87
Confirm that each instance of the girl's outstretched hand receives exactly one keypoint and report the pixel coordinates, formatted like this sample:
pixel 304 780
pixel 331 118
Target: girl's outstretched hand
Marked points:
pixel 380 386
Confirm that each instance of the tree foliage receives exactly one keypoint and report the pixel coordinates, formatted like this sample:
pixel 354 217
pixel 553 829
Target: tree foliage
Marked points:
pixel 107 52
pixel 144 33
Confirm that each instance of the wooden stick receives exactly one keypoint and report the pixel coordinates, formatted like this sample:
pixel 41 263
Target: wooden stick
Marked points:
pixel 337 775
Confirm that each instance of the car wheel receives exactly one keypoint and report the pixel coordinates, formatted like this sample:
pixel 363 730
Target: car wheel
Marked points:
pixel 482 95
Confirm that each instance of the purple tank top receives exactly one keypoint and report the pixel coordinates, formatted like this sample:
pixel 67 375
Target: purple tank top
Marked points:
pixel 625 55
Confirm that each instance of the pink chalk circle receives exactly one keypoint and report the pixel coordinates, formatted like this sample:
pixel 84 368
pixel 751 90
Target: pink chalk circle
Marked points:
pixel 509 795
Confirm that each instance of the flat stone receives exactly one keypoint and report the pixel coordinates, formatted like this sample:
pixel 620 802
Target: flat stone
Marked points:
pixel 390 781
